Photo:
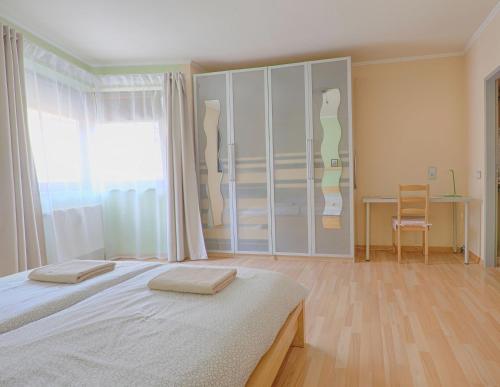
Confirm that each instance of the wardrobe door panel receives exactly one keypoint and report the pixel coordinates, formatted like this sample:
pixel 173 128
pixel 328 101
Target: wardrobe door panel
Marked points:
pixel 212 157
pixel 330 93
pixel 288 126
pixel 251 165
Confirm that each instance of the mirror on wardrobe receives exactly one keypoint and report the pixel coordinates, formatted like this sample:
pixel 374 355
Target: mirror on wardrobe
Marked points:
pixel 213 162
pixel 332 165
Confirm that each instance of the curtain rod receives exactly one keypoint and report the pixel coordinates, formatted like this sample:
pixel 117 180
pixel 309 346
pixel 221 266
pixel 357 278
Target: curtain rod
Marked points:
pixel 111 89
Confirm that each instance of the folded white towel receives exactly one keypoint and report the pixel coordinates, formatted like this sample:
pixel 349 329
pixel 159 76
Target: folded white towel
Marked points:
pixel 71 272
pixel 190 279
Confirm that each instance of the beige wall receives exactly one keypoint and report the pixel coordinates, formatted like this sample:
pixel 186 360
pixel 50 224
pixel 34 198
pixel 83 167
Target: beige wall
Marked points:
pixel 408 116
pixel 480 61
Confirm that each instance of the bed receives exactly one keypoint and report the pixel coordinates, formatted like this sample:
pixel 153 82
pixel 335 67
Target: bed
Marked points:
pixel 23 301
pixel 131 335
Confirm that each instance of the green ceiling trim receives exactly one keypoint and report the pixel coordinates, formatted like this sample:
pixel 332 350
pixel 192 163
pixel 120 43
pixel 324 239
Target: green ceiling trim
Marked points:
pixel 149 69
pixel 47 46
pixel 97 70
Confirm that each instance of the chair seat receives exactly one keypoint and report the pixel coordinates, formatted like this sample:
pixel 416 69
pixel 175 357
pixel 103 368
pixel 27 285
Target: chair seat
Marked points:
pixel 409 222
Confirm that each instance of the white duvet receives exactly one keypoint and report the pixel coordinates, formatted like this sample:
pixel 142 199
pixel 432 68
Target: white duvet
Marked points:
pixel 130 335
pixel 23 301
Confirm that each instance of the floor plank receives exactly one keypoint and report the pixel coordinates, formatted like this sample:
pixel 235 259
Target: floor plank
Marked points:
pixel 378 323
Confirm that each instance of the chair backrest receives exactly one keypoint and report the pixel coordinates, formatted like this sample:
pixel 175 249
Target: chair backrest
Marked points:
pixel 413 200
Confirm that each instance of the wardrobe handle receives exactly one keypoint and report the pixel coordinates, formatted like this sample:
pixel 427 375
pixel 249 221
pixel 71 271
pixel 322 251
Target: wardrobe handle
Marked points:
pixel 310 159
pixel 232 162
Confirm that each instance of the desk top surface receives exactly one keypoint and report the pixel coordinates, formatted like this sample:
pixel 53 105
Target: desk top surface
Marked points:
pixel 435 199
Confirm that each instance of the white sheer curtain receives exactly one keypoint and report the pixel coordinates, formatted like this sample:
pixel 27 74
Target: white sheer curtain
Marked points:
pixel 100 152
pixel 128 160
pixel 61 120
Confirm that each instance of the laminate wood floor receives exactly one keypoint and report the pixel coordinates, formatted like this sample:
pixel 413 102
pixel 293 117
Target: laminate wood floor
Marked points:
pixel 382 324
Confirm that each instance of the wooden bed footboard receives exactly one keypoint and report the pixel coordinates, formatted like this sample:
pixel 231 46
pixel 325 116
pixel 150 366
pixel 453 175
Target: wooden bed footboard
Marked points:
pixel 290 334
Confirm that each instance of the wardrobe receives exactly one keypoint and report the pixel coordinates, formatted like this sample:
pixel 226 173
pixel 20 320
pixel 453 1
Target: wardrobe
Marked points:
pixel 274 159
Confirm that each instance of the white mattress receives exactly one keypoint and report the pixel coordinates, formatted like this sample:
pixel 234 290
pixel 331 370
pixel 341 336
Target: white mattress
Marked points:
pixel 130 335
pixel 23 301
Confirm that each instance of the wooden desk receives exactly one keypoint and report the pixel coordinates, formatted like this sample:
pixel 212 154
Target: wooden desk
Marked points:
pixel 369 200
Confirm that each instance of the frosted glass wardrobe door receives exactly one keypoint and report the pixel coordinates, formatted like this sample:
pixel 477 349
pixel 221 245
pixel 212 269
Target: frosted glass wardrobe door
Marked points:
pixel 288 125
pixel 250 148
pixel 213 166
pixel 331 147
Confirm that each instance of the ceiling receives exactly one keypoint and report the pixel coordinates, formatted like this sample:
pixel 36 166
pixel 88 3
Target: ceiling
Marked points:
pixel 232 33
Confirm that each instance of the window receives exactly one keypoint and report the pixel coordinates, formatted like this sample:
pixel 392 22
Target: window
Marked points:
pixel 55 143
pixel 127 151
pixel 120 151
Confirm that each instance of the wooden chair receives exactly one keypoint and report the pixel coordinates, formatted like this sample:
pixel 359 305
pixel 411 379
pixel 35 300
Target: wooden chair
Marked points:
pixel 413 215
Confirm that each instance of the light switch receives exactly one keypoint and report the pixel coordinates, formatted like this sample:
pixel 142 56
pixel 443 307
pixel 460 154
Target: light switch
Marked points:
pixel 478 174
pixel 431 173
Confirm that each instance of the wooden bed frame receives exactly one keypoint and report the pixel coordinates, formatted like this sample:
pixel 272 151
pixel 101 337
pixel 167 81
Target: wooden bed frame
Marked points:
pixel 291 334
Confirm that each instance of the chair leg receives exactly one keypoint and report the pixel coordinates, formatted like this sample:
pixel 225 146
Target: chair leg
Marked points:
pixel 426 237
pixel 423 243
pixel 399 245
pixel 393 241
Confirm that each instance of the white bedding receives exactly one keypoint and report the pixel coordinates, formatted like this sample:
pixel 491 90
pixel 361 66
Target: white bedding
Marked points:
pixel 23 301
pixel 130 335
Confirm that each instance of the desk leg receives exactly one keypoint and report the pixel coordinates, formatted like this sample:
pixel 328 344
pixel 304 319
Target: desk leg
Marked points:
pixel 466 233
pixel 367 233
pixel 454 226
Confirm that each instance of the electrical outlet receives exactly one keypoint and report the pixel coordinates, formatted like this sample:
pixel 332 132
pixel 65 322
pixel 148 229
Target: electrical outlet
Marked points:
pixel 431 173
